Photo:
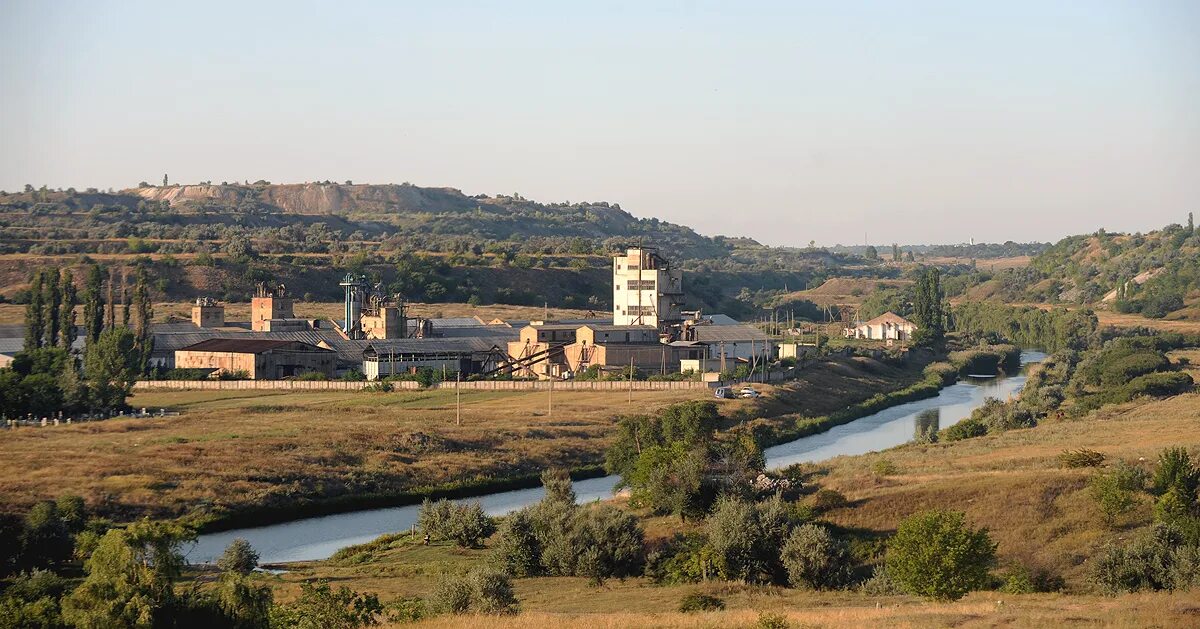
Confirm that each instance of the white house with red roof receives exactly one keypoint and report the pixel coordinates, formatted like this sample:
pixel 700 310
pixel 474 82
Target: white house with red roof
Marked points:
pixel 888 326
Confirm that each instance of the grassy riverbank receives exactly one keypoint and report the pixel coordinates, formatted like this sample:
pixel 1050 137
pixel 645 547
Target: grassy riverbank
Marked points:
pixel 236 458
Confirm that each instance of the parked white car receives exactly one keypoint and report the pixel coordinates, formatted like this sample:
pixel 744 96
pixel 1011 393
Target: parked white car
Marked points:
pixel 749 392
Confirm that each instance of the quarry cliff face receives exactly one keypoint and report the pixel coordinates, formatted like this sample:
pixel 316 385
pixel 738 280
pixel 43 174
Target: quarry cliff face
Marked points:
pixel 318 199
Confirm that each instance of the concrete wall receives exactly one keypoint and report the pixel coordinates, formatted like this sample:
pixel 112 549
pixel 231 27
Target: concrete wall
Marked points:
pixel 484 385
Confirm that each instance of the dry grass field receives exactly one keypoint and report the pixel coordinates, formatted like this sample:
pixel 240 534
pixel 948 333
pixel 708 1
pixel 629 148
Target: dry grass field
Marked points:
pixel 841 290
pixel 1170 324
pixel 813 611
pixel 235 449
pixel 1038 512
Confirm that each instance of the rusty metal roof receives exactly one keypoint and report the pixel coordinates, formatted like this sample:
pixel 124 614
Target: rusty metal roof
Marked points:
pixel 249 346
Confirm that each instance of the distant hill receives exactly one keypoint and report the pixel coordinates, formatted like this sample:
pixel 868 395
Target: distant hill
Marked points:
pixel 1155 274
pixel 371 211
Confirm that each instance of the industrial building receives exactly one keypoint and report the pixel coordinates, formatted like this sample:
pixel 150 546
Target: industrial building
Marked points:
pixel 260 359
pixel 646 290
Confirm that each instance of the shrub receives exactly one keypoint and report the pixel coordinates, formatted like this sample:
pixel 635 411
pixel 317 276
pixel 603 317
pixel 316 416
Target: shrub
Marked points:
pixel 1156 560
pixel 1158 384
pixel 828 500
pixel 609 543
pixel 491 592
pixel 767 620
pixel 517 551
pixel 321 606
pixel 465 524
pixel 745 538
pixel 1082 457
pixel 697 602
pixel 815 559
pixel 1113 492
pixel 406 610
pixel 451 595
pixel 935 554
pixel 964 429
pixel 312 375
pixel 239 557
pixel 1175 469
pixel 881 584
pixel 469 525
pixel 687 558
pixel 884 467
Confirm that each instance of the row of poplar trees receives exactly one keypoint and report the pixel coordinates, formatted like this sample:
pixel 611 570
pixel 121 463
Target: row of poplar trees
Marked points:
pixel 48 376
pixel 50 317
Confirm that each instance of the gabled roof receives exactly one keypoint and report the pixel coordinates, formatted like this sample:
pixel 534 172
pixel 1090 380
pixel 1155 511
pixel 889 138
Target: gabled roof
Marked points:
pixel 729 333
pixel 889 317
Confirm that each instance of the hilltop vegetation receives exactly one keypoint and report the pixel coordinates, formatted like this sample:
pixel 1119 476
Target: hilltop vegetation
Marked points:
pixel 1153 274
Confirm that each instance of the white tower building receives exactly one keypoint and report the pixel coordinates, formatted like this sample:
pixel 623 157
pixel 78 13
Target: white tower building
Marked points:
pixel 646 291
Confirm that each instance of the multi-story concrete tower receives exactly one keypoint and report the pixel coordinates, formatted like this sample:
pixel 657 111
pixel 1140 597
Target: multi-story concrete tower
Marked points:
pixel 646 290
pixel 269 304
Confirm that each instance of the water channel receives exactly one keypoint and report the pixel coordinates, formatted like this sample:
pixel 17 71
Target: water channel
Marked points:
pixel 319 537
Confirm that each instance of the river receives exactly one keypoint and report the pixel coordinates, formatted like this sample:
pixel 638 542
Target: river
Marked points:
pixel 316 538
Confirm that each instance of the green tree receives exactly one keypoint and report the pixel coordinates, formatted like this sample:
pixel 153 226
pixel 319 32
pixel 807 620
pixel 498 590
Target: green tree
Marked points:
pixel 936 554
pixel 93 304
pixel 517 551
pixel 239 558
pixel 72 511
pixel 241 603
pixel 129 578
pixel 111 365
pixel 321 607
pixel 66 323
pixel 895 252
pixel 815 559
pixel 35 313
pixel 927 308
pixel 53 305
pixel 557 483
pixel 46 541
pixel 144 314
pixel 871 253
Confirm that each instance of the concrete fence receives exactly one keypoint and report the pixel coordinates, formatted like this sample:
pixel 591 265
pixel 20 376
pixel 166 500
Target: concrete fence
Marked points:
pixel 409 385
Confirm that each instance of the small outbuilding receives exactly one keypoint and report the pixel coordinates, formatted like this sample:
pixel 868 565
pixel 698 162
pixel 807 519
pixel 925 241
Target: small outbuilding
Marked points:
pixel 260 359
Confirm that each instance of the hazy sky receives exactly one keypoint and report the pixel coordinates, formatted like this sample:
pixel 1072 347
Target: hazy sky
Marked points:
pixel 787 122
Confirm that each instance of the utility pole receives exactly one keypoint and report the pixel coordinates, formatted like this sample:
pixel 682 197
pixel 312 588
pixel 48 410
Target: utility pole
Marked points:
pixel 457 400
pixel 631 379
pixel 550 399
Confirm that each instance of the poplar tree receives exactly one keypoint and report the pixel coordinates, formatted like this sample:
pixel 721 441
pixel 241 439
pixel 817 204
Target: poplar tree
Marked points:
pixel 35 322
pixel 53 303
pixel 927 308
pixel 142 318
pixel 93 304
pixel 125 299
pixel 66 325
pixel 110 321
